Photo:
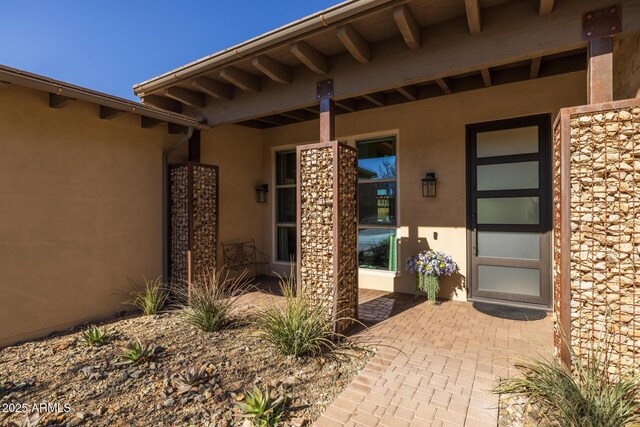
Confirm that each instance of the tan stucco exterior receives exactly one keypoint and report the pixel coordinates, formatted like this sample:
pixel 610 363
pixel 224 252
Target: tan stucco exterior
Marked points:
pixel 80 209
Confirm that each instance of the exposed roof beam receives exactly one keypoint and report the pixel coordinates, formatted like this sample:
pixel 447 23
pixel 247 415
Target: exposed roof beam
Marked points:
pixel 473 15
pixel 241 79
pixel 149 122
pixel 357 46
pixel 535 68
pixel 175 129
pixel 297 115
pixel 273 69
pixel 213 88
pixel 378 99
pixel 407 25
pixel 445 85
pixel 108 113
pixel 350 105
pixel 274 120
pixel 59 101
pixel 162 102
pixel 486 76
pixel 546 6
pixel 409 92
pixel 186 96
pixel 4 84
pixel 314 60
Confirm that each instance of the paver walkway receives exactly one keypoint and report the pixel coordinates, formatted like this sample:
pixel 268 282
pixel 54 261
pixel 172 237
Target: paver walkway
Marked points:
pixel 435 364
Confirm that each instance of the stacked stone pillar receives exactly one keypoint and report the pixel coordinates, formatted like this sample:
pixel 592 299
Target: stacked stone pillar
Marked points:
pixel 327 254
pixel 193 212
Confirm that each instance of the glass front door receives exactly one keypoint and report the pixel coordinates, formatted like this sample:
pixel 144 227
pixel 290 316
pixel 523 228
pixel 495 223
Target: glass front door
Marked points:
pixel 509 210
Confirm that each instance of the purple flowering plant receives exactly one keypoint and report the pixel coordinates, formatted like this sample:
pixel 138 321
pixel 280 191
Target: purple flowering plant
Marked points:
pixel 431 263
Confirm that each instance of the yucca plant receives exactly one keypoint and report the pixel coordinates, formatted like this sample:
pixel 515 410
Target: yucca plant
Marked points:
pixel 299 328
pixel 208 301
pixel 190 379
pixel 150 298
pixel 134 353
pixel 95 336
pixel 28 421
pixel 583 395
pixel 262 409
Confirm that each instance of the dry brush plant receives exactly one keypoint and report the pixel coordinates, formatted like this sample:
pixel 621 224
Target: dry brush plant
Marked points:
pixel 150 298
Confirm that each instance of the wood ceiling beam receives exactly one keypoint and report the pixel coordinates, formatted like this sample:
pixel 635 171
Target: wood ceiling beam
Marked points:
pixel 297 115
pixel 409 92
pixel 378 99
pixel 313 59
pixel 273 69
pixel 357 46
pixel 473 15
pixel 163 102
pixel 274 120
pixel 241 79
pixel 213 88
pixel 535 68
pixel 108 113
pixel 486 76
pixel 149 122
pixel 445 85
pixel 408 26
pixel 186 96
pixel 546 7
pixel 350 105
pixel 177 129
pixel 59 101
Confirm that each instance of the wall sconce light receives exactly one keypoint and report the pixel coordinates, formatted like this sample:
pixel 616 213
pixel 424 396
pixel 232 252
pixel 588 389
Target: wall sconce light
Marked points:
pixel 429 185
pixel 261 193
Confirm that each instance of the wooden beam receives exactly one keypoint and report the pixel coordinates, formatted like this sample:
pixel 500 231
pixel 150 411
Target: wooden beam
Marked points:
pixel 350 105
pixel 409 92
pixel 241 79
pixel 273 69
pixel 163 102
pixel 108 113
pixel 357 46
pixel 176 129
pixel 408 26
pixel 186 96
pixel 546 7
pixel 473 15
pixel 535 67
pixel 445 85
pixel 59 101
pixel 4 84
pixel 298 115
pixel 314 60
pixel 486 76
pixel 276 120
pixel 213 88
pixel 600 71
pixel 149 122
pixel 376 98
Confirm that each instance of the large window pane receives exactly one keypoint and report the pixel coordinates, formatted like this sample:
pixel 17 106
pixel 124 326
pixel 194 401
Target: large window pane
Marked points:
pixel 286 168
pixel 509 210
pixel 523 281
pixel 507 142
pixel 508 176
pixel 377 248
pixel 503 244
pixel 286 243
pixel 377 159
pixel 377 203
pixel 286 205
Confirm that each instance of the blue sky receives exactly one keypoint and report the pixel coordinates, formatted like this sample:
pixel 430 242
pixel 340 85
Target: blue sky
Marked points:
pixel 109 45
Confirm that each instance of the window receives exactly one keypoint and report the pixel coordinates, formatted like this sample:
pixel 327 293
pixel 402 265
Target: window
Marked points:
pixel 377 199
pixel 285 206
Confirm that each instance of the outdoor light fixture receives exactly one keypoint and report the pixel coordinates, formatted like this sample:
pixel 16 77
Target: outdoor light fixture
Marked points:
pixel 429 185
pixel 261 193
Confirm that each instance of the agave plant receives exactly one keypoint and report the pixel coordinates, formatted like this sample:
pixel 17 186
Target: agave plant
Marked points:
pixel 190 379
pixel 262 409
pixel 134 353
pixel 94 336
pixel 28 421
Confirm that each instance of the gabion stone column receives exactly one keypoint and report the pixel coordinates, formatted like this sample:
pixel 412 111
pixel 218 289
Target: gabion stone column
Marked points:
pixel 193 215
pixel 327 253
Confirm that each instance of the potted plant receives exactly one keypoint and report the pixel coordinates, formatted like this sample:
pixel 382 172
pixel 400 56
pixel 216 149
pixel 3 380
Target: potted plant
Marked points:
pixel 429 265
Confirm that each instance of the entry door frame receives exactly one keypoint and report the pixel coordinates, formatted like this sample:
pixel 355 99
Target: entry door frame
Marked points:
pixel 543 121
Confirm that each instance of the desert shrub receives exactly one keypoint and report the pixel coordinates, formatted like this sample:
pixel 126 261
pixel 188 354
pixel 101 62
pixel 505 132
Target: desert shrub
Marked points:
pixel 209 300
pixel 134 353
pixel 190 379
pixel 299 328
pixel 151 297
pixel 95 336
pixel 583 395
pixel 262 409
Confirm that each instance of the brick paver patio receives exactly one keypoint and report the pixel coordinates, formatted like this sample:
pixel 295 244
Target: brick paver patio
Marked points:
pixel 435 364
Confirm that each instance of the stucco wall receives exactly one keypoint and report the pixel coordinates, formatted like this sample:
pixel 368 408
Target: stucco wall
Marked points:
pixel 626 67
pixel 431 137
pixel 80 209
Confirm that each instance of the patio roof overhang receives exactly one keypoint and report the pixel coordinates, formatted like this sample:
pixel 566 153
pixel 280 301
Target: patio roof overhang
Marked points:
pixel 381 52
